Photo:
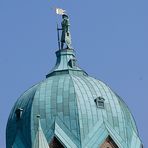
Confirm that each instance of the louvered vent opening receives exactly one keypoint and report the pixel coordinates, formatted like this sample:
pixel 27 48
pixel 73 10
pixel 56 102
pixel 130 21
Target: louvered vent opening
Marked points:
pixel 99 102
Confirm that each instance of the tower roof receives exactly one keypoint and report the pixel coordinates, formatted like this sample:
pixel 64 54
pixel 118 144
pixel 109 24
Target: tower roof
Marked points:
pixel 76 109
pixel 66 101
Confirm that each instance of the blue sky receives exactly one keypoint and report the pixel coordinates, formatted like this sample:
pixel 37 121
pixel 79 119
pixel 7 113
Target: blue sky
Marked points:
pixel 110 38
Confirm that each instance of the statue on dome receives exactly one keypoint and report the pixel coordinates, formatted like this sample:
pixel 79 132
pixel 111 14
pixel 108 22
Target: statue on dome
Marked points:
pixel 65 37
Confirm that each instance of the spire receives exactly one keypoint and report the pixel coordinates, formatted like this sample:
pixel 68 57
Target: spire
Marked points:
pixel 40 139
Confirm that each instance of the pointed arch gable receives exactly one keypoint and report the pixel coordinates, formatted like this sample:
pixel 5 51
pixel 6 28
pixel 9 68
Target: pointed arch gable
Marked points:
pixel 63 134
pixel 96 136
pixel 115 136
pixel 63 137
pixel 100 133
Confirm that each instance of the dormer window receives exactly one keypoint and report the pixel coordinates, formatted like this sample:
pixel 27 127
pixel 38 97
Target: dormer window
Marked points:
pixel 72 63
pixel 18 113
pixel 99 102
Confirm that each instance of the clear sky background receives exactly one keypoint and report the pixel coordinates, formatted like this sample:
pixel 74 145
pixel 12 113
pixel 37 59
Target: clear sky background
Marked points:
pixel 111 42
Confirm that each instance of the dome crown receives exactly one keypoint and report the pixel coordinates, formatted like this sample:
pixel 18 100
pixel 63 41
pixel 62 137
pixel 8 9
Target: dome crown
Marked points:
pixel 66 63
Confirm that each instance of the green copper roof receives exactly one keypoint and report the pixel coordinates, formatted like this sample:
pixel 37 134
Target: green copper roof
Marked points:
pixel 66 63
pixel 66 103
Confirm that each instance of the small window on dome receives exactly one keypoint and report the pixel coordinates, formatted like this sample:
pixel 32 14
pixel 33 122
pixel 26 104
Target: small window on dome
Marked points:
pixel 72 63
pixel 99 102
pixel 18 113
